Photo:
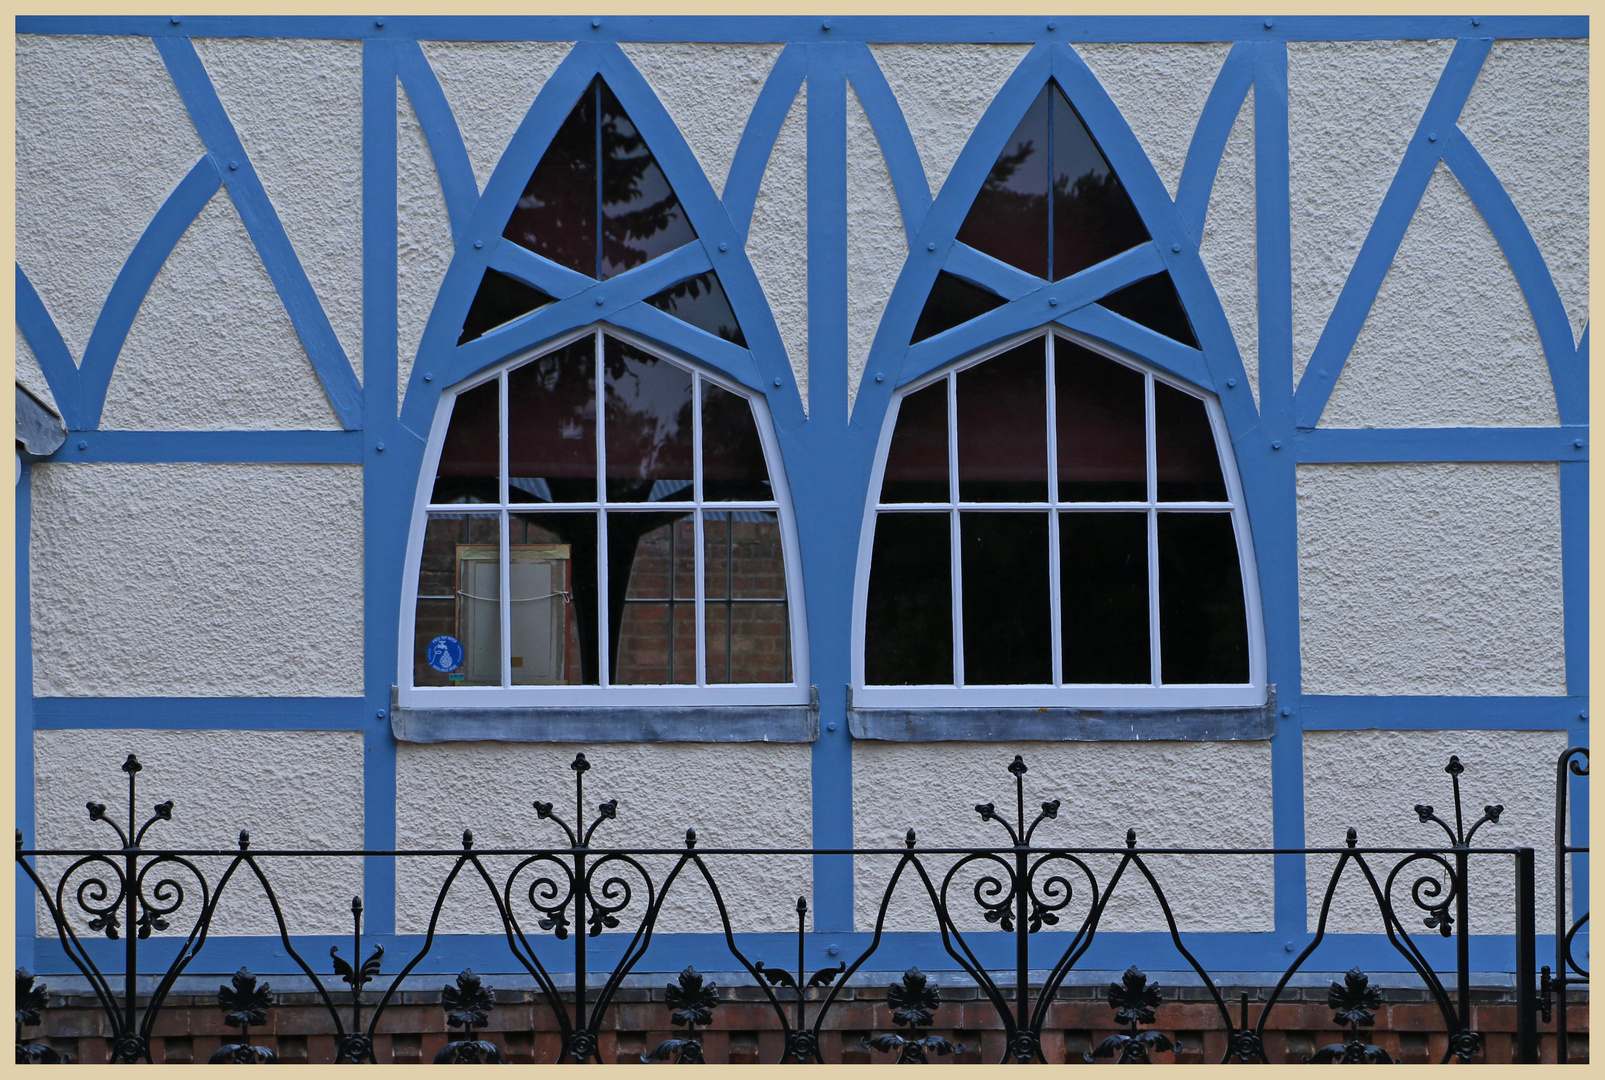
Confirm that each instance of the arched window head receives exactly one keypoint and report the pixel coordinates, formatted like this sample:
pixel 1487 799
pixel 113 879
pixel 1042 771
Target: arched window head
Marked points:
pixel 1053 525
pixel 601 518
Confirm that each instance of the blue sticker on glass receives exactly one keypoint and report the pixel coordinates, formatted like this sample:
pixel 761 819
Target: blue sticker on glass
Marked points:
pixel 445 653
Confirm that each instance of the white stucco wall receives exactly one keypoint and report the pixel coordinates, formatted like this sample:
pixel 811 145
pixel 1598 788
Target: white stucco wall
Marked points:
pixel 289 789
pixel 876 244
pixel 424 246
pixel 297 108
pixel 1160 88
pixel 1430 579
pixel 102 139
pixel 490 86
pixel 1172 793
pixel 1528 117
pixel 212 348
pixel 748 795
pixel 1371 780
pixel 943 90
pixel 1229 246
pixel 1352 107
pixel 197 580
pixel 709 90
pixel 1450 341
pixel 30 375
pixel 777 243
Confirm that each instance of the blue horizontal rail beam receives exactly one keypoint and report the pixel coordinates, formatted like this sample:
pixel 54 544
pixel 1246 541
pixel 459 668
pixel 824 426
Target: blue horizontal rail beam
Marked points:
pixel 1322 446
pixel 207 713
pixel 1330 712
pixel 243 447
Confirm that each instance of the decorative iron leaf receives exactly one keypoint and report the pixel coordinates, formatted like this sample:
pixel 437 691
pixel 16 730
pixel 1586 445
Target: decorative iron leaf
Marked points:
pixel 242 1054
pixel 776 976
pixel 244 1003
pixel 886 1043
pixel 940 1046
pixel 664 1050
pixel 31 999
pixel 341 968
pixel 914 1001
pixel 469 1052
pixel 1354 1000
pixel 1133 998
pixel 1357 1052
pixel 826 976
pixel 1108 1048
pixel 691 1000
pixel 468 1003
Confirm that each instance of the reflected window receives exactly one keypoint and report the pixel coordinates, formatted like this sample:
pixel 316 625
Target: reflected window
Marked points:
pixel 1054 517
pixel 602 516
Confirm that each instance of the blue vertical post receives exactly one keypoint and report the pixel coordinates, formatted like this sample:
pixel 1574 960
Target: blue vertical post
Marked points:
pixel 24 725
pixel 1574 586
pixel 379 482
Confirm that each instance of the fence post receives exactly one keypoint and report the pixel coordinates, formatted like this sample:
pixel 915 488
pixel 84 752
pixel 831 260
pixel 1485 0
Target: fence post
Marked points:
pixel 1526 958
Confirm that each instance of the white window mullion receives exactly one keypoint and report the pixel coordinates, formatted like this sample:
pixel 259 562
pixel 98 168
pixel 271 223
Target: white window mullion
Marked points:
pixel 955 558
pixel 1152 452
pixel 1055 615
pixel 603 675
pixel 505 592
pixel 700 592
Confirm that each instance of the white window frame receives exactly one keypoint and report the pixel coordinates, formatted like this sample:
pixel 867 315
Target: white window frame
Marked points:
pixel 1059 694
pixel 795 692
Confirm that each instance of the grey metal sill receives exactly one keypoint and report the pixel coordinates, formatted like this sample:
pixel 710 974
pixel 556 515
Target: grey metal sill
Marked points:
pixel 610 724
pixel 1063 724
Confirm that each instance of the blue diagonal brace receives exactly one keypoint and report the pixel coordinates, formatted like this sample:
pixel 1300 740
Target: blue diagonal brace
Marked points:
pixel 758 138
pixel 1209 138
pixel 39 329
pixel 891 131
pixel 267 232
pixel 457 184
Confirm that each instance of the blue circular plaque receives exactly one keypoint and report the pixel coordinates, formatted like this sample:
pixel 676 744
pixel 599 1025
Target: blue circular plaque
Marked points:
pixel 444 653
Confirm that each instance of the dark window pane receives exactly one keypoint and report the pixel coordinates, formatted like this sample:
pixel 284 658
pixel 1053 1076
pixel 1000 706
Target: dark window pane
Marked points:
pixel 553 613
pixel 916 464
pixel 1203 630
pixel 701 301
pixel 1103 598
pixel 656 640
pixel 1152 302
pixel 500 299
pixel 1003 427
pixel 1093 217
pixel 744 583
pixel 732 456
pixel 470 460
pixel 641 217
pixel 551 426
pixel 648 426
pixel 952 301
pixel 908 626
pixel 459 598
pixel 1009 218
pixel 1103 444
pixel 556 215
pixel 1189 468
pixel 1007 639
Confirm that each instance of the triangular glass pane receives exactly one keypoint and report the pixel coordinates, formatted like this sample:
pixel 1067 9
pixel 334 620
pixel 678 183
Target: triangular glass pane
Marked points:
pixel 1152 302
pixel 1093 216
pixel 1092 212
pixel 701 301
pixel 556 215
pixel 469 459
pixel 641 216
pixel 500 299
pixel 733 465
pixel 1187 460
pixel 1009 218
pixel 952 301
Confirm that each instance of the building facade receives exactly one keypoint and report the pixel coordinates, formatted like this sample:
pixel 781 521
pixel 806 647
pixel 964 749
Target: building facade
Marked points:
pixel 801 417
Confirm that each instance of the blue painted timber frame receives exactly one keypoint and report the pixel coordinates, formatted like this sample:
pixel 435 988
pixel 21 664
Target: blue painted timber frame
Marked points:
pixel 826 452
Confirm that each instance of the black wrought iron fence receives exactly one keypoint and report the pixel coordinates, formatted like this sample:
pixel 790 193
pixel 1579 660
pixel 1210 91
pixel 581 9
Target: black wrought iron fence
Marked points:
pixel 575 892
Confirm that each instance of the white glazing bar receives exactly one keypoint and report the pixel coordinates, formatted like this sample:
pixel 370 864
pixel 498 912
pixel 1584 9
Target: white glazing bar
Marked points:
pixel 505 590
pixel 954 558
pixel 603 675
pixel 1056 634
pixel 699 560
pixel 1151 424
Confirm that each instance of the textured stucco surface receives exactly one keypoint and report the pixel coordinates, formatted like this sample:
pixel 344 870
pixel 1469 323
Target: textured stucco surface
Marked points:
pixel 297 107
pixel 1352 107
pixel 1229 246
pixel 29 373
pixel 751 795
pixel 1371 780
pixel 1160 88
pixel 708 89
pixel 1450 341
pixel 876 245
pixel 102 139
pixel 1430 579
pixel 197 580
pixel 212 347
pixel 290 789
pixel 423 238
pixel 777 244
pixel 1193 794
pixel 1528 117
pixel 943 90
pixel 490 86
